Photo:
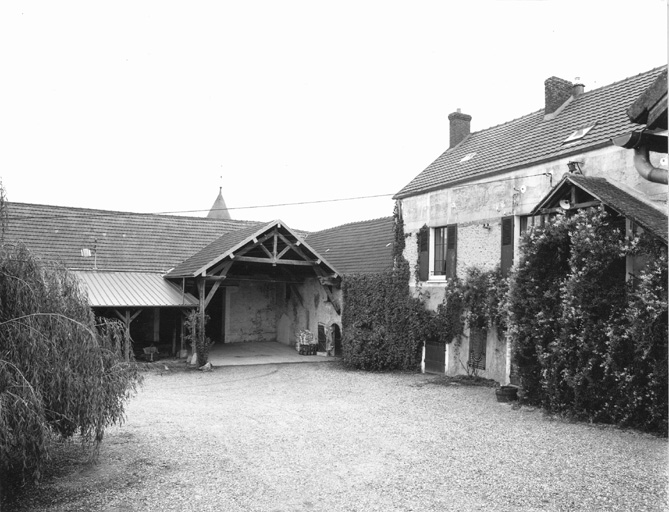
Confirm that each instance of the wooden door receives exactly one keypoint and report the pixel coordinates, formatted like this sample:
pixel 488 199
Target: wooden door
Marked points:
pixel 435 357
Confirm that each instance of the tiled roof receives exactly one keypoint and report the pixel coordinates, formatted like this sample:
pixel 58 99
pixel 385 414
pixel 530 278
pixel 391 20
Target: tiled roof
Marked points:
pixel 358 247
pixel 531 139
pixel 647 216
pixel 125 241
pixel 219 247
pixel 133 289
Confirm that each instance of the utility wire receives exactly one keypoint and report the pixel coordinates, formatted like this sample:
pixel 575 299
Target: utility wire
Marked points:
pixel 277 204
pixel 120 214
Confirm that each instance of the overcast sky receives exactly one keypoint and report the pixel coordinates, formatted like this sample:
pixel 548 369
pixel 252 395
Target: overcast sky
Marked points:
pixel 150 106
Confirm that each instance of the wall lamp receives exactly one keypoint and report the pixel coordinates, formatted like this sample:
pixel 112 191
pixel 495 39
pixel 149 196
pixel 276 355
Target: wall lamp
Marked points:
pixel 575 167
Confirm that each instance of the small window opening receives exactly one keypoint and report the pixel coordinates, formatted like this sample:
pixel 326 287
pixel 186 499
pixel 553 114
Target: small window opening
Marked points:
pixel 578 134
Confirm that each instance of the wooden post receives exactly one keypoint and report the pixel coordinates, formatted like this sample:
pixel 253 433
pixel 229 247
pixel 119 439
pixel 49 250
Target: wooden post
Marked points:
pixel 201 334
pixel 127 335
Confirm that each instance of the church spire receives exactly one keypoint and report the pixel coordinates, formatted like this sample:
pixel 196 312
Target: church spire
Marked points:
pixel 219 210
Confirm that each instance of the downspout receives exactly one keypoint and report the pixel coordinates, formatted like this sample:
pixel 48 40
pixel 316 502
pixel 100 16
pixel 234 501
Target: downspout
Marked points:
pixel 640 141
pixel 647 170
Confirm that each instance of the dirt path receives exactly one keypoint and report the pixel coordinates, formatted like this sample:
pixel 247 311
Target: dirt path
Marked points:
pixel 320 438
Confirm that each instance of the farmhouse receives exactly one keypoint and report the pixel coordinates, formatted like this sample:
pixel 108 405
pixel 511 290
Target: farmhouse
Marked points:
pixel 469 207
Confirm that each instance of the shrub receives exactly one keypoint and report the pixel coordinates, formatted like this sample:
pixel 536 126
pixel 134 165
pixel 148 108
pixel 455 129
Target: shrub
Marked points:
pixel 384 326
pixel 60 373
pixel 585 342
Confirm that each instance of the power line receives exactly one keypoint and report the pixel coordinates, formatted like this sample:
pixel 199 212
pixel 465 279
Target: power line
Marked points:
pixel 101 213
pixel 278 204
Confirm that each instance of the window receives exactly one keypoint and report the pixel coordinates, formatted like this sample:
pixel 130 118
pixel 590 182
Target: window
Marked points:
pixel 445 250
pixel 579 134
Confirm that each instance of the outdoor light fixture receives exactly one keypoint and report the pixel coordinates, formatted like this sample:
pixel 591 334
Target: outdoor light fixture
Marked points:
pixel 574 167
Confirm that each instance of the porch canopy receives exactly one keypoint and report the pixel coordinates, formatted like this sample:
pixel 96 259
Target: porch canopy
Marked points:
pixel 268 253
pixel 576 191
pixel 133 290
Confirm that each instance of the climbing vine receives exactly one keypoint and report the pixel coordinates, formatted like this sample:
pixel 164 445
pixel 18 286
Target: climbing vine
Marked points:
pixel 384 326
pixel 586 342
pixel 478 300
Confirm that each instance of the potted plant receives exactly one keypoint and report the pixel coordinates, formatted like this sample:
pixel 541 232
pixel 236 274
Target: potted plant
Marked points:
pixel 507 393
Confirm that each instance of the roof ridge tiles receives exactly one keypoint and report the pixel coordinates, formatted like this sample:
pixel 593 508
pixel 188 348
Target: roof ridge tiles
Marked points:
pixel 105 213
pixel 538 111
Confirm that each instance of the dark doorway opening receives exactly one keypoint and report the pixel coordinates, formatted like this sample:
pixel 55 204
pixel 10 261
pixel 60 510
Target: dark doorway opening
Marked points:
pixel 336 335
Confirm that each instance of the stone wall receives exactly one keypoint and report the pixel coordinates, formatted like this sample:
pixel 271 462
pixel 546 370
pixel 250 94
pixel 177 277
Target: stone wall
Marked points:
pixel 251 312
pixel 477 207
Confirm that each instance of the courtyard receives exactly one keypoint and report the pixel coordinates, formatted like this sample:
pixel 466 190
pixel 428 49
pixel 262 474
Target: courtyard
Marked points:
pixel 318 437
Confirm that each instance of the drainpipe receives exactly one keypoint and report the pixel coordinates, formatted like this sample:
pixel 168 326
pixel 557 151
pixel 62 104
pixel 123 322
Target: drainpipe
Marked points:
pixel 647 170
pixel 642 142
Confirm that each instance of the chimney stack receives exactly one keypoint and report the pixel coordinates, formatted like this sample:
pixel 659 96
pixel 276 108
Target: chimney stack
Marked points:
pixel 459 127
pixel 557 92
pixel 578 88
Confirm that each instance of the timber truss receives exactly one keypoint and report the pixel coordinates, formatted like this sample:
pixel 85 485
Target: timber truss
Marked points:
pixel 272 252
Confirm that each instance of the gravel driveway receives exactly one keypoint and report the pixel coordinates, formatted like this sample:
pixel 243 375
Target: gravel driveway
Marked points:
pixel 316 437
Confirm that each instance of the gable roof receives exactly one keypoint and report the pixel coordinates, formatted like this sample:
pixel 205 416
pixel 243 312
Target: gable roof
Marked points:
pixel 117 240
pixel 227 245
pixel 358 247
pixel 648 217
pixel 531 139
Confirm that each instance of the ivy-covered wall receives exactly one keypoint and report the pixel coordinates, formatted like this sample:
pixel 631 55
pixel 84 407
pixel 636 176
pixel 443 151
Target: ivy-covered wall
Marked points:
pixel 586 342
pixel 384 326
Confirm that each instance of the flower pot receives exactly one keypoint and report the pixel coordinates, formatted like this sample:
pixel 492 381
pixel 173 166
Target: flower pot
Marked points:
pixel 507 394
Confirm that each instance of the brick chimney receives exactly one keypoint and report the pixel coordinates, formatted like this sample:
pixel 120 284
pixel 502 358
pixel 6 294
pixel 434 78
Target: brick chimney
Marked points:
pixel 557 92
pixel 459 127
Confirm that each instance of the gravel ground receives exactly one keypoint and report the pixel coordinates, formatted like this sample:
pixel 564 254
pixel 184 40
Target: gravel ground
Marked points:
pixel 315 437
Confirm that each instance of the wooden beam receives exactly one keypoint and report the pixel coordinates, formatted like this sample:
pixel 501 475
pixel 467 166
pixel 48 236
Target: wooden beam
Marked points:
pixel 251 259
pixel 297 294
pixel 266 250
pixel 285 250
pixel 211 293
pixel 295 247
pixel 332 300
pixel 221 269
pixel 125 315
pixel 260 241
pixel 587 204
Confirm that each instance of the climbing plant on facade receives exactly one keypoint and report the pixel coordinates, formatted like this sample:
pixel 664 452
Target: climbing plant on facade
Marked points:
pixel 576 325
pixel 384 326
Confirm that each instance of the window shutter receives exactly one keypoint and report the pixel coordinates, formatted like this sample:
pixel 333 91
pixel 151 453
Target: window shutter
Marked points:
pixel 507 245
pixel 424 253
pixel 451 250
